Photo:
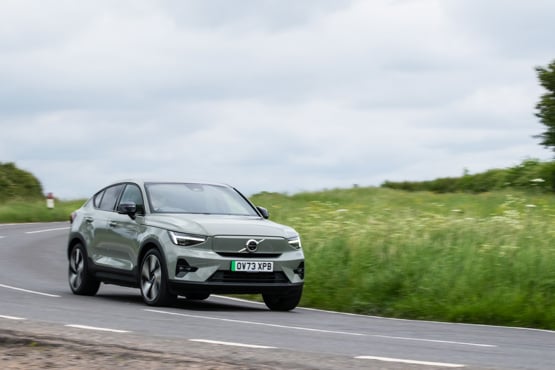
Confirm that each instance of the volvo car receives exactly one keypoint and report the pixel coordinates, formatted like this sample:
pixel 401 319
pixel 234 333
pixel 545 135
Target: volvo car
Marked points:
pixel 189 239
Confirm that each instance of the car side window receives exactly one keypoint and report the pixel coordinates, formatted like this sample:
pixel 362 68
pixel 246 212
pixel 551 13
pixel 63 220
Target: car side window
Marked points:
pixel 110 197
pixel 97 198
pixel 132 193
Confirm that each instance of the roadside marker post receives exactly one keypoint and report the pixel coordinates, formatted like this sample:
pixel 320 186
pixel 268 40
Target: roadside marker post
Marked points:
pixel 50 201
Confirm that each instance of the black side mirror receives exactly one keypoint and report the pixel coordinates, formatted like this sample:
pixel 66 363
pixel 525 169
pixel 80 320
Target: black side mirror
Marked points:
pixel 264 212
pixel 128 208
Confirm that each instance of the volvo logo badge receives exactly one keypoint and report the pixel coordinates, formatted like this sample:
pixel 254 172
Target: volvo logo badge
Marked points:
pixel 251 245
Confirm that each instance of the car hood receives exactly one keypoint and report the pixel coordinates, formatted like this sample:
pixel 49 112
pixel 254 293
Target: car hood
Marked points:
pixel 213 225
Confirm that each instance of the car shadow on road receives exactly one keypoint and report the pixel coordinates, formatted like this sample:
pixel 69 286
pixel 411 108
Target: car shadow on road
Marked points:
pixel 211 304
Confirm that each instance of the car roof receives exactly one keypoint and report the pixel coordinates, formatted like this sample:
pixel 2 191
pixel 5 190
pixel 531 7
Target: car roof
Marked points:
pixel 142 182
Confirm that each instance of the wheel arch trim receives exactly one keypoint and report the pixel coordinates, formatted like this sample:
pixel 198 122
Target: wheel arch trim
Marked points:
pixel 75 238
pixel 146 245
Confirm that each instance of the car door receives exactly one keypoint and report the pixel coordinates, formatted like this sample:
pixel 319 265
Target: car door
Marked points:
pixel 122 245
pixel 102 254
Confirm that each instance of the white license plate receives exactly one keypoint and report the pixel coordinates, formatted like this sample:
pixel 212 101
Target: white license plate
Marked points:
pixel 252 266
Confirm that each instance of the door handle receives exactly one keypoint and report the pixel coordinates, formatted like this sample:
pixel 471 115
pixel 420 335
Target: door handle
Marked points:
pixel 89 219
pixel 113 224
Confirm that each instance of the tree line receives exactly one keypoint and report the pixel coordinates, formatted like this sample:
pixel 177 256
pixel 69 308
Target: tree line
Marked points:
pixel 18 184
pixel 531 174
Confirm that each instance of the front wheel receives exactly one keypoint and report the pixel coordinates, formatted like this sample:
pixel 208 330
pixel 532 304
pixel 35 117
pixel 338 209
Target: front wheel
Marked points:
pixel 153 281
pixel 80 280
pixel 283 301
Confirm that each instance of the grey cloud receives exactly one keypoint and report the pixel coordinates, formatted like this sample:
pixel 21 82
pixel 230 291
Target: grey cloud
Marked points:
pixel 266 95
pixel 511 28
pixel 248 15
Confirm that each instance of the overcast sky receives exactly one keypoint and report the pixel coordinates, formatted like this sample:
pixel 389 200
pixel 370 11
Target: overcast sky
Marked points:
pixel 269 95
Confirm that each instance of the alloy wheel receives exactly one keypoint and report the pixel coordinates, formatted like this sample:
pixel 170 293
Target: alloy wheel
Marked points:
pixel 151 278
pixel 76 268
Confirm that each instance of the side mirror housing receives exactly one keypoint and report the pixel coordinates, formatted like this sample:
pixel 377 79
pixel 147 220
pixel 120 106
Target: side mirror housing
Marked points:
pixel 264 212
pixel 128 208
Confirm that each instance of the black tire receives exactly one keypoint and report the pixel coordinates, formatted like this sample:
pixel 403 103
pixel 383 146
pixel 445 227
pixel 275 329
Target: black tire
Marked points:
pixel 80 280
pixel 153 280
pixel 283 301
pixel 197 296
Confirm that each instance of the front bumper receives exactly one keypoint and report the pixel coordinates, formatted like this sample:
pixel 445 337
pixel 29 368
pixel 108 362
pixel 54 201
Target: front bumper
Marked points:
pixel 184 287
pixel 203 269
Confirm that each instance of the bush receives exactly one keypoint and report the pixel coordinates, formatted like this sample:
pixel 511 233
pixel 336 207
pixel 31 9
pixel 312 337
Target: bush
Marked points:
pixel 531 174
pixel 18 184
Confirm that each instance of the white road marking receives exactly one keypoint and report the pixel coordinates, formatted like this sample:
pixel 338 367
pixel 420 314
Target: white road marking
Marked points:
pixel 376 335
pixel 46 230
pixel 423 321
pixel 96 328
pixel 11 317
pixel 231 344
pixel 435 341
pixel 256 323
pixel 29 291
pixel 412 362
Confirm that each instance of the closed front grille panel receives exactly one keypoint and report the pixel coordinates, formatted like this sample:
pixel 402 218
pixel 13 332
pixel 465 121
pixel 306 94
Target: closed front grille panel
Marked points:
pixel 248 277
pixel 264 244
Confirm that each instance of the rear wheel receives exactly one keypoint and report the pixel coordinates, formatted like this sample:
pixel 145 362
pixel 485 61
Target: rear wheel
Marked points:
pixel 80 280
pixel 283 301
pixel 153 280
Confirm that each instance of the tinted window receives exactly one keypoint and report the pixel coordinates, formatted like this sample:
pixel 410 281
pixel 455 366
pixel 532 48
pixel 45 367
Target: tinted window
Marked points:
pixel 132 193
pixel 197 198
pixel 97 199
pixel 110 197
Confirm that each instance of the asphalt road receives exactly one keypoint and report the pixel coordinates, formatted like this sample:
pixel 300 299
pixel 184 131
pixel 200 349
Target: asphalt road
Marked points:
pixel 34 294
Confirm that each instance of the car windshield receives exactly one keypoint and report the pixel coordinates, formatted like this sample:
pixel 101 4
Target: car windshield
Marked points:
pixel 197 198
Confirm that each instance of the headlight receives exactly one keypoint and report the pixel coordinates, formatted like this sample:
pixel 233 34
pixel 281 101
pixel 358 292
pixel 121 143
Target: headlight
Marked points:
pixel 295 242
pixel 186 240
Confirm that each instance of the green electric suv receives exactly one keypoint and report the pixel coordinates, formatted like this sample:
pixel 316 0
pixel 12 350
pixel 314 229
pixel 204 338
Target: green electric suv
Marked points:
pixel 189 239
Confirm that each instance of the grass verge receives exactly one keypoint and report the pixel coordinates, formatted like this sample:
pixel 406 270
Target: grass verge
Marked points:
pixel 36 211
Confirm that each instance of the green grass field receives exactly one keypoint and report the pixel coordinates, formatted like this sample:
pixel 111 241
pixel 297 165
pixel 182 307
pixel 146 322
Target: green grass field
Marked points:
pixel 486 258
